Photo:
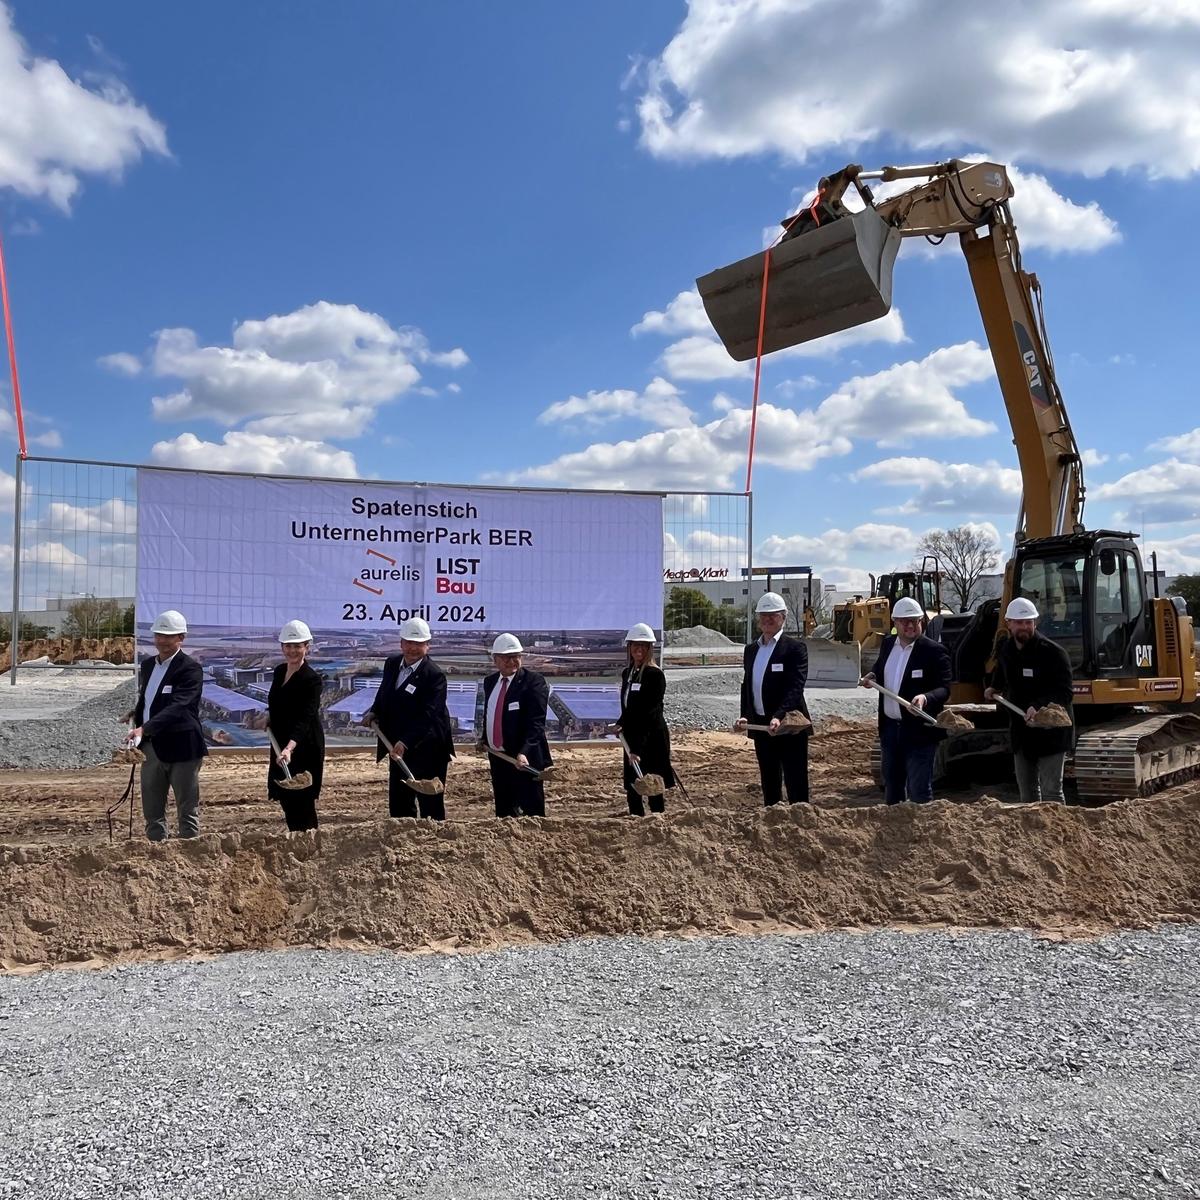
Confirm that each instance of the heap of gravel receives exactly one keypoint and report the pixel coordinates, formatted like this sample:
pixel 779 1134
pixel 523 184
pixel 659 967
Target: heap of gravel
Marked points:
pixel 709 698
pixel 983 1066
pixel 698 637
pixel 81 737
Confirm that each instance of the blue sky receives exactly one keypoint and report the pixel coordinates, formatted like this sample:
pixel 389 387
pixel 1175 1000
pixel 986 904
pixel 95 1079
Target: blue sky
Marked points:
pixel 457 242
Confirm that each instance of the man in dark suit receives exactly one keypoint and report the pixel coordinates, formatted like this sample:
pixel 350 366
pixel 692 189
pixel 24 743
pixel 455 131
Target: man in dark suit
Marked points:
pixel 514 705
pixel 167 729
pixel 775 672
pixel 410 710
pixel 917 668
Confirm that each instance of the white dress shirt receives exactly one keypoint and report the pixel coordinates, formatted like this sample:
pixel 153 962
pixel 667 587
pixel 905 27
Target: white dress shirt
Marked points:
pixel 893 674
pixel 154 683
pixel 761 659
pixel 493 700
pixel 406 672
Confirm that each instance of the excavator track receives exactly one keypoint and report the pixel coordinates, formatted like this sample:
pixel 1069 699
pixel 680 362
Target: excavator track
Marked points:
pixel 1136 755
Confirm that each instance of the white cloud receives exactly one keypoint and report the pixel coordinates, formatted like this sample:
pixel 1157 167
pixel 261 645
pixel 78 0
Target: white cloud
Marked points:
pixel 912 399
pixel 54 129
pixel 110 516
pixel 257 453
pixel 1182 445
pixel 953 489
pixel 51 439
pixel 704 358
pixel 887 546
pixel 1080 85
pixel 1167 491
pixel 1093 458
pixel 685 314
pixel 659 405
pixel 323 369
pixel 121 363
pixel 1176 556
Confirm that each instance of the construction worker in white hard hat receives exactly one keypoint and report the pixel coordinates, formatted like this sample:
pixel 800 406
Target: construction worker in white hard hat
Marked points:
pixel 775 670
pixel 410 711
pixel 641 723
pixel 514 724
pixel 918 669
pixel 294 719
pixel 167 729
pixel 1031 672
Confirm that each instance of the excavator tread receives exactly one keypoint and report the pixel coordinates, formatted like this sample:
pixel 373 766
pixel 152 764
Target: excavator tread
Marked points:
pixel 1136 755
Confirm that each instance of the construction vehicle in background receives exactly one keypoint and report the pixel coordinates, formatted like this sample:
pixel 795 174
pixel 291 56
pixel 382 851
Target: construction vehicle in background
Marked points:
pixel 866 621
pixel 1133 655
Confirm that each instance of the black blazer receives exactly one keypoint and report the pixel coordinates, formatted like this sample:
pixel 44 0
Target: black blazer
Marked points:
pixel 172 725
pixel 1032 678
pixel 523 727
pixel 929 674
pixel 294 714
pixel 642 721
pixel 782 688
pixel 415 714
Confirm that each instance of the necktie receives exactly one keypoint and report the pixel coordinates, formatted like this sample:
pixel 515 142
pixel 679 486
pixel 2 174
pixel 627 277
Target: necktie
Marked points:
pixel 497 719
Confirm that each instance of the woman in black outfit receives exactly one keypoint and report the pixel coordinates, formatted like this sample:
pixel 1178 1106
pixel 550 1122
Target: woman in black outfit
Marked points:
pixel 643 686
pixel 294 714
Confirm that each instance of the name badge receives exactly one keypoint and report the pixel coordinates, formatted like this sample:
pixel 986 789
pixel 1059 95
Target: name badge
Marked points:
pixel 514 706
pixel 919 673
pixel 408 687
pixel 168 689
pixel 635 687
pixel 777 666
pixel 1027 672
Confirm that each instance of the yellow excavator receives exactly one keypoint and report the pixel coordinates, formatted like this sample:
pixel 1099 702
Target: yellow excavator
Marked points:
pixel 1133 655
pixel 865 621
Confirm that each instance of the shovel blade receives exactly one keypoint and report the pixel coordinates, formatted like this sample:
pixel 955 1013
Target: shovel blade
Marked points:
pixel 649 785
pixel 821 282
pixel 427 787
pixel 296 782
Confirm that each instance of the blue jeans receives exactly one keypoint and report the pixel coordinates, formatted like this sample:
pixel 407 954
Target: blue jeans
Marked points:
pixel 907 764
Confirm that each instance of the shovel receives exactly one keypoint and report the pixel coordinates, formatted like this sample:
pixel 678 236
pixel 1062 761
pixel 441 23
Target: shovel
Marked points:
pixel 949 721
pixel 793 722
pixel 644 785
pixel 427 787
pixel 289 782
pixel 1055 716
pixel 128 752
pixel 544 773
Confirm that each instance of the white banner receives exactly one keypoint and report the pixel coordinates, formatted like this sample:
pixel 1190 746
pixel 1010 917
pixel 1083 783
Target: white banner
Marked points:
pixel 248 553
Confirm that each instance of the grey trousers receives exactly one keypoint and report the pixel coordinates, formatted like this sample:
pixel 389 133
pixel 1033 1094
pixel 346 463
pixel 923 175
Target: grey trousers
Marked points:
pixel 1040 778
pixel 183 778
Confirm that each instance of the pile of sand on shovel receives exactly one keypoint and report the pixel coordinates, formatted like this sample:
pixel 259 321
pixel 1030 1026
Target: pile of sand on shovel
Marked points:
pixel 794 722
pixel 127 755
pixel 1053 716
pixel 650 785
pixel 953 722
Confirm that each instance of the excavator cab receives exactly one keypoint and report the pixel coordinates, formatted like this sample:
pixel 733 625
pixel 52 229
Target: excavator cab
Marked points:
pixel 831 271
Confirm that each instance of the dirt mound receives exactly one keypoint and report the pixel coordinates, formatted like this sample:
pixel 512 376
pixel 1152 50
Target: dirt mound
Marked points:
pixel 698 636
pixel 64 651
pixel 471 885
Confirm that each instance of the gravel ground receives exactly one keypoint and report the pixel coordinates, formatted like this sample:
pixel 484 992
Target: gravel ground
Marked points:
pixel 884 1065
pixel 49 726
pixel 708 698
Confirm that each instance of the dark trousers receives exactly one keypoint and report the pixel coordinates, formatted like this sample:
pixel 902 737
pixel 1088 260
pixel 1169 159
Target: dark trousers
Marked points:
pixel 907 764
pixel 404 802
pixel 782 762
pixel 517 793
pixel 638 809
pixel 299 814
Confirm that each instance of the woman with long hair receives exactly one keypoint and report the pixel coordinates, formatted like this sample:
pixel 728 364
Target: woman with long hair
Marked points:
pixel 643 687
pixel 294 718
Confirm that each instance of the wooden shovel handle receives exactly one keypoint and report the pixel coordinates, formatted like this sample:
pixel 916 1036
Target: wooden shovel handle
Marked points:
pixel 912 708
pixel 275 746
pixel 637 769
pixel 1009 705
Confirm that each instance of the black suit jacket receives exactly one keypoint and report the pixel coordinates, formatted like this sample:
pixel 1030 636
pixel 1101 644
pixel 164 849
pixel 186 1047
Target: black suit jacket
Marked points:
pixel 172 725
pixel 927 674
pixel 523 726
pixel 294 714
pixel 415 713
pixel 1032 678
pixel 782 685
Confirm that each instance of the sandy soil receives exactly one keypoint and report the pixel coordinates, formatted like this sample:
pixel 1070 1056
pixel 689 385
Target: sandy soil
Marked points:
pixel 717 864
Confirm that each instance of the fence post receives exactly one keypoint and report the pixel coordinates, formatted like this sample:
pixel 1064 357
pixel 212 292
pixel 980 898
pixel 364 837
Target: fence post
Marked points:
pixel 14 639
pixel 749 567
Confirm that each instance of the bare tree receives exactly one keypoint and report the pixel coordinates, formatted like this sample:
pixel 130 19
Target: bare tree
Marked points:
pixel 965 555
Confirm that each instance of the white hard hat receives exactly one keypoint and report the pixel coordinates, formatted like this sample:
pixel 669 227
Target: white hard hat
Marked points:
pixel 169 622
pixel 641 632
pixel 1021 609
pixel 770 602
pixel 907 607
pixel 415 629
pixel 295 631
pixel 508 643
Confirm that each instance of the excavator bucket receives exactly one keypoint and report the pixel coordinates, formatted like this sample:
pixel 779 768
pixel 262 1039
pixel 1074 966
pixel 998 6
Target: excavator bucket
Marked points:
pixel 825 280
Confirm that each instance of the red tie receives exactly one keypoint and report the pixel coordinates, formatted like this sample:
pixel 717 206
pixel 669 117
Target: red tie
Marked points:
pixel 497 730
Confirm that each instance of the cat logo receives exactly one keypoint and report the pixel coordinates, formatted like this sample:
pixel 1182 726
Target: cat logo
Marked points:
pixel 1031 369
pixel 1143 656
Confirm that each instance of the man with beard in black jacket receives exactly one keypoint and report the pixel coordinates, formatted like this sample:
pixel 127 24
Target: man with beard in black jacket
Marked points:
pixel 1031 672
